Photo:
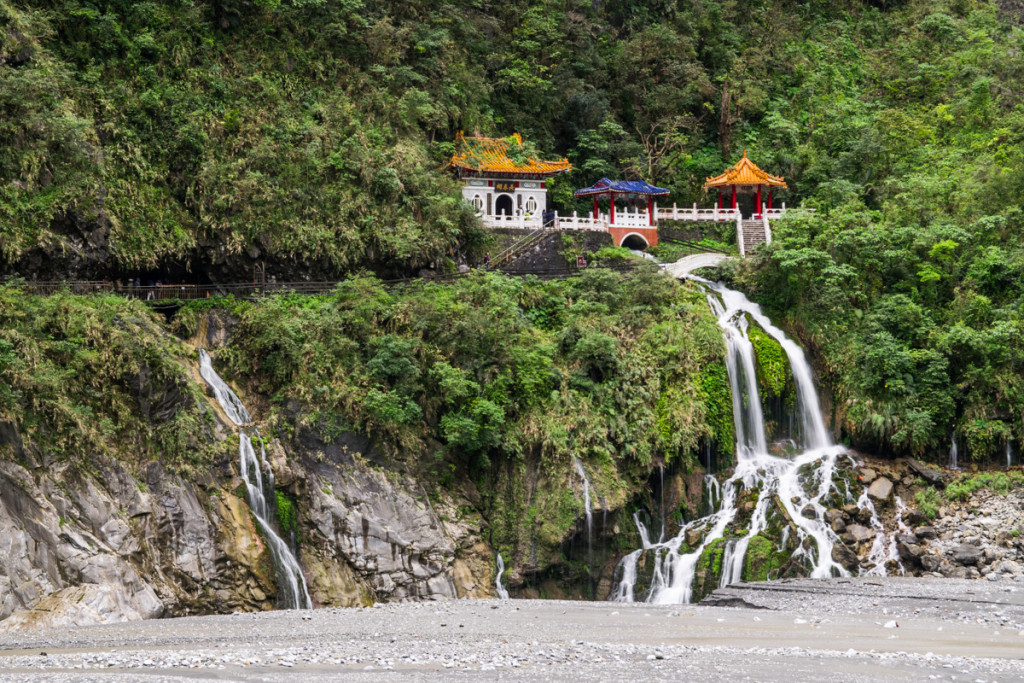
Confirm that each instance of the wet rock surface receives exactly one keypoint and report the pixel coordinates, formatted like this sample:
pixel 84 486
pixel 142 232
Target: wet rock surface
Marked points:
pixel 980 537
pixel 111 545
pixel 830 630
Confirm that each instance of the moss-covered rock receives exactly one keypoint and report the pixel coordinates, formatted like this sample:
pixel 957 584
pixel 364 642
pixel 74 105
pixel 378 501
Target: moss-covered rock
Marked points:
pixel 763 561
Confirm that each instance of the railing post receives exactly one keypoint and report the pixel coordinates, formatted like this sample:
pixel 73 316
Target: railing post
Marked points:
pixel 739 234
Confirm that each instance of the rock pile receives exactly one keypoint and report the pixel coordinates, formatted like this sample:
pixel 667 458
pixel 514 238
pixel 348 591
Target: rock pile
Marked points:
pixel 982 537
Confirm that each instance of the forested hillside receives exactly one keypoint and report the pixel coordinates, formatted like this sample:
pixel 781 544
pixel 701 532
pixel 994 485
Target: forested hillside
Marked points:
pixel 195 139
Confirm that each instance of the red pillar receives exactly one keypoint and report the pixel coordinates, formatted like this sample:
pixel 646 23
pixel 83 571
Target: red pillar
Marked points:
pixel 595 207
pixel 769 197
pixel 612 218
pixel 721 200
pixel 734 196
pixel 650 210
pixel 758 210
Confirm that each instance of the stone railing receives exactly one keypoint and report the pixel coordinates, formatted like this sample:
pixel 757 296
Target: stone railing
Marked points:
pixel 716 213
pixel 695 214
pixel 518 220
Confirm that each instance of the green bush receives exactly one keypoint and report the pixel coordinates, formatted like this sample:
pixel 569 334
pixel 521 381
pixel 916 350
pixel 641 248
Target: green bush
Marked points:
pixel 928 501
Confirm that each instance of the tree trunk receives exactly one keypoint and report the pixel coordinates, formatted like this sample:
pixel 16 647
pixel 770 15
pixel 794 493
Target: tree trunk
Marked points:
pixel 725 121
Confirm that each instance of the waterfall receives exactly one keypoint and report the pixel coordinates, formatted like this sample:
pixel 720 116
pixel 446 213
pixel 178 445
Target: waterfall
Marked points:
pixel 661 473
pixel 1009 451
pixel 883 548
pixel 227 399
pixel 586 504
pixel 502 592
pixel 798 483
pixel 954 453
pixel 627 577
pixel 259 485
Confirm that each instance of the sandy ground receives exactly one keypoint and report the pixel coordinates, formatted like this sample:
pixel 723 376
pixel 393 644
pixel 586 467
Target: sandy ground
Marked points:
pixel 836 630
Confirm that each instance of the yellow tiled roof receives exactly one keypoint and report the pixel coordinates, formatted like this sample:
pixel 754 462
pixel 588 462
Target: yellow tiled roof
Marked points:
pixel 491 155
pixel 745 172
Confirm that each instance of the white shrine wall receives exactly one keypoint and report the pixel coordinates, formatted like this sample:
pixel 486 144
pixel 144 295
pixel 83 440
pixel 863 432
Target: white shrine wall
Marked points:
pixel 526 196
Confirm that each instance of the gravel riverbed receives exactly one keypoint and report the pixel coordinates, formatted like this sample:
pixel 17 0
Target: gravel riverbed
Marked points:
pixel 831 630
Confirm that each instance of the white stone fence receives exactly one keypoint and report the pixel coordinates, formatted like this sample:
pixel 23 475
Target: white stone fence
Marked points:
pixel 717 214
pixel 695 214
pixel 624 218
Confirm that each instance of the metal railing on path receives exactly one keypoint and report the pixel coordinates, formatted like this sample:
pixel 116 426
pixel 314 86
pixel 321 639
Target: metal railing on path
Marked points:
pixel 172 294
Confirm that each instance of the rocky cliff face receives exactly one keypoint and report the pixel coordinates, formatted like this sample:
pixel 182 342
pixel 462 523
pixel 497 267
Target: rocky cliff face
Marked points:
pixel 104 544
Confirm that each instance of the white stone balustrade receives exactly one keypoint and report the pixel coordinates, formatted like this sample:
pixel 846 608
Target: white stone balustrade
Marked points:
pixel 624 218
pixel 695 214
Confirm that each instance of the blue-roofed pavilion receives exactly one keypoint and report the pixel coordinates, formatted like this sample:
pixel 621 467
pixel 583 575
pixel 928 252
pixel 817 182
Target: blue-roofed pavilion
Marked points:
pixel 630 189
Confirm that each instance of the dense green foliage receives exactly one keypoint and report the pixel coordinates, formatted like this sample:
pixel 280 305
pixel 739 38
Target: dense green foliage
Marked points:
pixel 92 377
pixel 314 133
pixel 494 379
pixel 907 282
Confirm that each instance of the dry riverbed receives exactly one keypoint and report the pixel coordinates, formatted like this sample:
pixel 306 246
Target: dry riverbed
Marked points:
pixel 835 630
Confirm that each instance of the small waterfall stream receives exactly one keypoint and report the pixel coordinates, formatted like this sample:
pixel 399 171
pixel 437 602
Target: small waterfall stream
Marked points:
pixel 954 453
pixel 798 484
pixel 586 505
pixel 498 586
pixel 259 484
pixel 883 548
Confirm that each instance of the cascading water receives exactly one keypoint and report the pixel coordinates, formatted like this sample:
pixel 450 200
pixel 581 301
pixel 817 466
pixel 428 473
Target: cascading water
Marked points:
pixel 798 484
pixel 954 453
pixel 883 548
pixel 498 586
pixel 627 566
pixel 586 504
pixel 259 483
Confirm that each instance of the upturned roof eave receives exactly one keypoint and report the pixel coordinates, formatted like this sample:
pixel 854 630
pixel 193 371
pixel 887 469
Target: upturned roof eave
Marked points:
pixel 744 173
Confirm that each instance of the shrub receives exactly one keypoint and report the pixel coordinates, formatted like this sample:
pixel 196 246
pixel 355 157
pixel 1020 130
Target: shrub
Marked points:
pixel 928 501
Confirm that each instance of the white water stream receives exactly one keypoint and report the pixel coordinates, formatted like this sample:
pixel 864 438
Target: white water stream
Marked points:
pixel 498 586
pixel 586 504
pixel 259 484
pixel 799 483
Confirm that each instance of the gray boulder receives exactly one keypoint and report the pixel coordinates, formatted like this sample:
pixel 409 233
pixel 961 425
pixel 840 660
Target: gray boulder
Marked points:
pixel 880 489
pixel 860 533
pixel 842 554
pixel 967 555
pixel 926 473
pixel 909 553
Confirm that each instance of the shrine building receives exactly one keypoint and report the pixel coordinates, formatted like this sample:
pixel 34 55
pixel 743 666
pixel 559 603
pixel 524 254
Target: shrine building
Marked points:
pixel 502 181
pixel 746 178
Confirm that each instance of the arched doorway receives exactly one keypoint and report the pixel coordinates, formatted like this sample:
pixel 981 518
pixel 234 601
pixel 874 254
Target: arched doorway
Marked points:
pixel 634 241
pixel 503 206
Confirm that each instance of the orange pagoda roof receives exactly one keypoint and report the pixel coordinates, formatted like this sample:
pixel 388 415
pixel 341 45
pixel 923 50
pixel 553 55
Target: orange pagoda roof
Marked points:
pixel 745 172
pixel 501 155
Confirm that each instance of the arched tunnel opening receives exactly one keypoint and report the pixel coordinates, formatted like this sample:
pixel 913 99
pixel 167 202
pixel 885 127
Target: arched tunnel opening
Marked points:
pixel 635 242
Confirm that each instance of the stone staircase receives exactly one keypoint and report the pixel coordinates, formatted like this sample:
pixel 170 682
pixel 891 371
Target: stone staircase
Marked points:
pixel 753 234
